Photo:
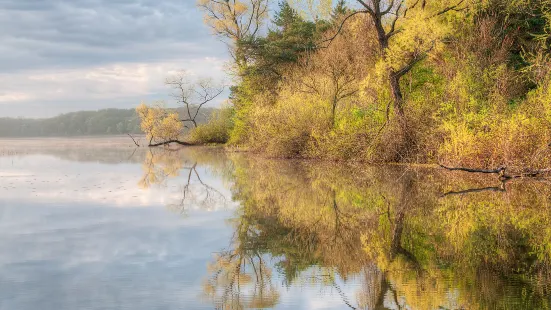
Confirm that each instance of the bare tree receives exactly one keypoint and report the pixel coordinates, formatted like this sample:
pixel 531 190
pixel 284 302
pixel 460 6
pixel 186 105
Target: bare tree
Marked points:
pixel 333 73
pixel 193 94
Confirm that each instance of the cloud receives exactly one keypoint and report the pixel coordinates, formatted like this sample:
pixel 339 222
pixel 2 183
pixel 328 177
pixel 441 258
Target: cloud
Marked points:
pixel 13 96
pixel 59 56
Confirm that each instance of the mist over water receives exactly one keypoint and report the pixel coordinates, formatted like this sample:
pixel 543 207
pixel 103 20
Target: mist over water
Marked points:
pixel 99 224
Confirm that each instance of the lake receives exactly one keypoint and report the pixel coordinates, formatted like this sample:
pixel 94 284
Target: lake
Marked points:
pixel 99 224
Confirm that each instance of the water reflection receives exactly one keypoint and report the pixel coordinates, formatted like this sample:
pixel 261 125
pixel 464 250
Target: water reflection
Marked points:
pixel 408 238
pixel 161 164
pixel 308 235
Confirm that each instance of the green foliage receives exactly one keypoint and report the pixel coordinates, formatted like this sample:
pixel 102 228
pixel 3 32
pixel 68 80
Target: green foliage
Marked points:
pixel 216 130
pixel 268 57
pixel 340 10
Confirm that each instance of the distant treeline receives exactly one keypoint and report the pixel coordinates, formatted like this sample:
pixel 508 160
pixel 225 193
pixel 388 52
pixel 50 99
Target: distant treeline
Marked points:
pixel 82 123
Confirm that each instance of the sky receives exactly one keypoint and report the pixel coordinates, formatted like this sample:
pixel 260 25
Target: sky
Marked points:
pixel 59 56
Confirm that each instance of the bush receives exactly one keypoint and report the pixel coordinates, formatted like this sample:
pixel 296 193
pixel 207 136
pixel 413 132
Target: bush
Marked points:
pixel 285 129
pixel 216 130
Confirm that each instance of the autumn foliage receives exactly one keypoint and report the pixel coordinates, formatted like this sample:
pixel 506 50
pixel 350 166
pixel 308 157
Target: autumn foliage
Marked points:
pixel 159 124
pixel 473 81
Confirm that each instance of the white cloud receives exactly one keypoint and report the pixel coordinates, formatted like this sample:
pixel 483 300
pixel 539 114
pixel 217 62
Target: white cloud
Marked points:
pixel 14 97
pixel 70 55
pixel 103 83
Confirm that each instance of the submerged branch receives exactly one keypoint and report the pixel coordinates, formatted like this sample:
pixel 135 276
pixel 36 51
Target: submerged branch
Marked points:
pixel 133 140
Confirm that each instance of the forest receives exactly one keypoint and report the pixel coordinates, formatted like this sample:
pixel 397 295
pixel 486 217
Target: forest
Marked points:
pixel 82 123
pixel 463 82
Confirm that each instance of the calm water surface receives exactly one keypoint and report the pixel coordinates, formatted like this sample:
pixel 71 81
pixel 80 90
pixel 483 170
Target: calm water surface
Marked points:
pixel 98 224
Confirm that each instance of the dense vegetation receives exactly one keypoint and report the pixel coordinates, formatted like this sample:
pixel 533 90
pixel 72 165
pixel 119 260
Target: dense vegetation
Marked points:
pixel 83 123
pixel 465 82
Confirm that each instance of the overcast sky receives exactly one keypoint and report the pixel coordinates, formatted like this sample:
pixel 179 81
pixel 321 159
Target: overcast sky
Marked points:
pixel 58 56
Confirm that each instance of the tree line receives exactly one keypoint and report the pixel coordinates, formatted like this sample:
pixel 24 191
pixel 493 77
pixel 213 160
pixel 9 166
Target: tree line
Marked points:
pixel 82 123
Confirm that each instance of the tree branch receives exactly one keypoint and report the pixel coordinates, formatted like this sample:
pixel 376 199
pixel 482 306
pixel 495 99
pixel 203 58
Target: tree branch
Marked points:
pixel 330 40
pixel 472 170
pixel 450 8
pixel 171 141
pixel 501 171
pixel 133 140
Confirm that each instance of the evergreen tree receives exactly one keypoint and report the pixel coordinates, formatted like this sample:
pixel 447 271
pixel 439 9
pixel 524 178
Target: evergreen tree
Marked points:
pixel 286 16
pixel 339 11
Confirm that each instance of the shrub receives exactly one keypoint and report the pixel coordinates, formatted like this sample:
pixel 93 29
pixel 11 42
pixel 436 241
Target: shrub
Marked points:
pixel 285 129
pixel 216 130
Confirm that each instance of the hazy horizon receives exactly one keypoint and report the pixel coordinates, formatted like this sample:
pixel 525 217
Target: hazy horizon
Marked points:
pixel 67 56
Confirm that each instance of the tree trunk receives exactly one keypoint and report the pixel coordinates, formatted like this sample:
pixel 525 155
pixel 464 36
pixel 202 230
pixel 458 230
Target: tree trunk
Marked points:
pixel 333 112
pixel 396 91
pixel 396 243
pixel 394 78
pixel 397 96
pixel 169 142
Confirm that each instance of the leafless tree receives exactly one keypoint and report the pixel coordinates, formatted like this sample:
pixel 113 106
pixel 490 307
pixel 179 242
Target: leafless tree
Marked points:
pixel 193 93
pixel 332 73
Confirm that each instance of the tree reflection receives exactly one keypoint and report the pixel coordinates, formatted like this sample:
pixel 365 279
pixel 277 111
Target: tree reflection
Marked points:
pixel 198 193
pixel 391 228
pixel 160 165
pixel 406 235
pixel 241 278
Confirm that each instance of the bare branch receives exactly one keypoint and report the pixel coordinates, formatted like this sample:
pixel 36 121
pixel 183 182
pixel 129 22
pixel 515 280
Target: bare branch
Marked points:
pixel 368 8
pixel 136 143
pixel 330 40
pixel 193 94
pixel 169 142
pixel 477 190
pixel 472 170
pixel 451 8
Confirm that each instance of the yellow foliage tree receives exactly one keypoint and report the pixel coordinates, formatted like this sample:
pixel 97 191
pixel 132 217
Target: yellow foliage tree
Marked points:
pixel 235 20
pixel 160 125
pixel 407 31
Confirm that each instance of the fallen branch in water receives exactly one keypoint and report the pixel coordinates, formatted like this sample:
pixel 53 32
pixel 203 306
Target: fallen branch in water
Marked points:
pixel 133 140
pixel 169 142
pixel 501 172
